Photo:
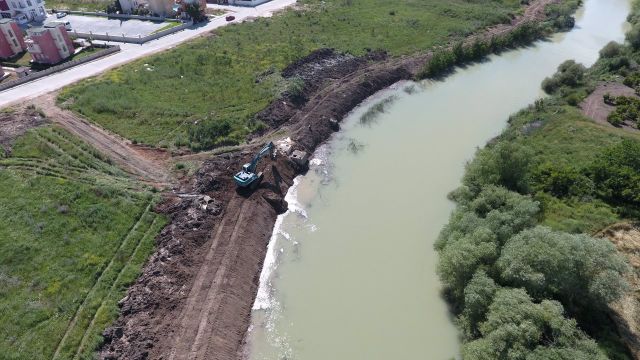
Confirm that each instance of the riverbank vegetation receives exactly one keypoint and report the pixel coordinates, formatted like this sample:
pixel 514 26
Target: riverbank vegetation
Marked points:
pixel 526 278
pixel 215 85
pixel 74 233
pixel 445 59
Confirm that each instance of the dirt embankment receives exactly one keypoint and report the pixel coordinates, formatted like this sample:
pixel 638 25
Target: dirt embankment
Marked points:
pixel 595 108
pixel 194 298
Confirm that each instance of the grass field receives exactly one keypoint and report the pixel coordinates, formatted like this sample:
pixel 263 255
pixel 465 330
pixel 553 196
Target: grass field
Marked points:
pixel 80 5
pixel 74 232
pixel 227 78
pixel 568 138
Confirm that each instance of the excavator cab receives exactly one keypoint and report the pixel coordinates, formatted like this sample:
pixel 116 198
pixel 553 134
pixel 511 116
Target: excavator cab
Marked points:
pixel 247 177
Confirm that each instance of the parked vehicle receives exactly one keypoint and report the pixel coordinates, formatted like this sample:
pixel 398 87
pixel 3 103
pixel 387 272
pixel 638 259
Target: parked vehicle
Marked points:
pixel 230 18
pixel 67 25
pixel 60 15
pixel 21 19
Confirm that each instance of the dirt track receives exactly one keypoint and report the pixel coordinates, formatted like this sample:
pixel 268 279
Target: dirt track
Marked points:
pixel 116 148
pixel 595 108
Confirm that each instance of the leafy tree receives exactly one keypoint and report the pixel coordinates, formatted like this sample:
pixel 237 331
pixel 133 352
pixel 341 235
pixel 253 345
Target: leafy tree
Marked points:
pixel 633 37
pixel 504 164
pixel 611 50
pixel 519 329
pixel 616 173
pixel 478 295
pixel 476 232
pixel 579 270
pixel 561 180
pixel 569 74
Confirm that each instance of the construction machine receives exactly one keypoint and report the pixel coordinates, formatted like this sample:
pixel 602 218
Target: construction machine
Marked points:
pixel 247 177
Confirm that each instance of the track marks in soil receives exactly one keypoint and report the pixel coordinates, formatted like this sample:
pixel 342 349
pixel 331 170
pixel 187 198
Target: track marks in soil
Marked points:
pixel 87 309
pixel 138 163
pixel 204 296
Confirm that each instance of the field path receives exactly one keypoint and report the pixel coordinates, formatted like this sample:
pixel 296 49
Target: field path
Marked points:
pixel 148 167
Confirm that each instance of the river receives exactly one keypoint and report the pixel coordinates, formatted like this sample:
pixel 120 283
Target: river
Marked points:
pixel 350 272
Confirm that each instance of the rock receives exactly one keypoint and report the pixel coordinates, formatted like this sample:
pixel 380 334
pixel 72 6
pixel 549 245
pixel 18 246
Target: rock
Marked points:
pixel 334 124
pixel 300 158
pixel 277 202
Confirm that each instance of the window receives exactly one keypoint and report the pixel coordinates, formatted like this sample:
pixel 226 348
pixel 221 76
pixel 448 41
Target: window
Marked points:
pixel 29 3
pixel 15 43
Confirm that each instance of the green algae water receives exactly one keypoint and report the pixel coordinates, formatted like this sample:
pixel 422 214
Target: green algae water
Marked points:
pixel 350 272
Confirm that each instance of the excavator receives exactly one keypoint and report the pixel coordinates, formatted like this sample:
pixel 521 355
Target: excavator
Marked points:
pixel 247 177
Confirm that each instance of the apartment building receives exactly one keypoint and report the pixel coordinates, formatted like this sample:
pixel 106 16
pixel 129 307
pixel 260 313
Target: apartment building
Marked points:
pixel 11 39
pixel 49 44
pixel 23 10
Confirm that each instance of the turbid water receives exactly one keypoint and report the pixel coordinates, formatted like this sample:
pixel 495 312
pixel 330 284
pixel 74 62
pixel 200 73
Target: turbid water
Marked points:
pixel 351 269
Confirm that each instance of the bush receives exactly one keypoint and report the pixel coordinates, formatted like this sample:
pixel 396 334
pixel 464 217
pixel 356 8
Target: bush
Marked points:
pixel 504 164
pixel 616 173
pixel 561 180
pixel 611 50
pixel 569 74
pixel 440 62
pixel 580 271
pixel 519 329
pixel 633 37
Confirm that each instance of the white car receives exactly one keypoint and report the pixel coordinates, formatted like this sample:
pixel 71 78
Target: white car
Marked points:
pixel 60 15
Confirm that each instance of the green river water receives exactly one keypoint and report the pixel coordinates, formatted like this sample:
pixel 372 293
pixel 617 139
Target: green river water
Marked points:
pixel 350 272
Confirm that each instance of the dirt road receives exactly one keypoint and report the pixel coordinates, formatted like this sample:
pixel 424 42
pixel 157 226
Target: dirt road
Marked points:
pixel 146 166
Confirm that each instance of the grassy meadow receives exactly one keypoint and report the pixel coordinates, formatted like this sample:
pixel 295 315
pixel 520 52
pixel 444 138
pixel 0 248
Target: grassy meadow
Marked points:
pixel 205 93
pixel 74 232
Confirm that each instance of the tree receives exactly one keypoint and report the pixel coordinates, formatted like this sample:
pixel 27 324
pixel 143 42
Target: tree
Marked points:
pixel 519 329
pixel 478 295
pixel 505 164
pixel 616 173
pixel 569 74
pixel 476 232
pixel 580 271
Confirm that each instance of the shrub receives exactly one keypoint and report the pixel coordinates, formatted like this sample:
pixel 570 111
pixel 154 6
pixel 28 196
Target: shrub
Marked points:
pixel 441 61
pixel 518 329
pixel 611 50
pixel 504 164
pixel 633 37
pixel 561 180
pixel 580 271
pixel 616 173
pixel 569 74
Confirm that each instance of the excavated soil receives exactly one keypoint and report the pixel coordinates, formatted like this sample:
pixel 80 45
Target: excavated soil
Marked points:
pixel 194 298
pixel 626 312
pixel 15 122
pixel 595 108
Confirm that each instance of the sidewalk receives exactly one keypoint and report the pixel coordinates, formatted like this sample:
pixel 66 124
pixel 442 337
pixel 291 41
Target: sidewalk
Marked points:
pixel 130 52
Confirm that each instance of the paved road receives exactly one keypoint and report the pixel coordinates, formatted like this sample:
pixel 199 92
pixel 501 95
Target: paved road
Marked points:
pixel 130 52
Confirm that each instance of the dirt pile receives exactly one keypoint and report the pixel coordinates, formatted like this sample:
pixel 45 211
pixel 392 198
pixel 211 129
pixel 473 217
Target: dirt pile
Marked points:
pixel 15 122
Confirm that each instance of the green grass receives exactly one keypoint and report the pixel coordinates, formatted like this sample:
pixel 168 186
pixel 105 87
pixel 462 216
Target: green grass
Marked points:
pixel 167 26
pixel 79 5
pixel 74 232
pixel 229 77
pixel 565 137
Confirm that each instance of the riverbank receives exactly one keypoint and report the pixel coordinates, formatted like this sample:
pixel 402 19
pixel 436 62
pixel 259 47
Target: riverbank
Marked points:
pixel 175 309
pixel 555 178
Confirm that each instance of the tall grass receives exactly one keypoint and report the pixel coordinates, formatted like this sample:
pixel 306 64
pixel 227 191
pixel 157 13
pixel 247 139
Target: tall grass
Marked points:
pixel 222 78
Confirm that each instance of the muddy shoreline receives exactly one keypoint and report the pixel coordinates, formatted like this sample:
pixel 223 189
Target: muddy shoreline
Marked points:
pixel 194 297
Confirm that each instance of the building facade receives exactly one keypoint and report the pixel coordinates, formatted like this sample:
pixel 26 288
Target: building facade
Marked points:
pixel 162 8
pixel 49 44
pixel 128 6
pixel 11 39
pixel 31 10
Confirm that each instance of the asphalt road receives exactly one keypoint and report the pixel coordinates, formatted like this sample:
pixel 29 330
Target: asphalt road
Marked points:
pixel 129 53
